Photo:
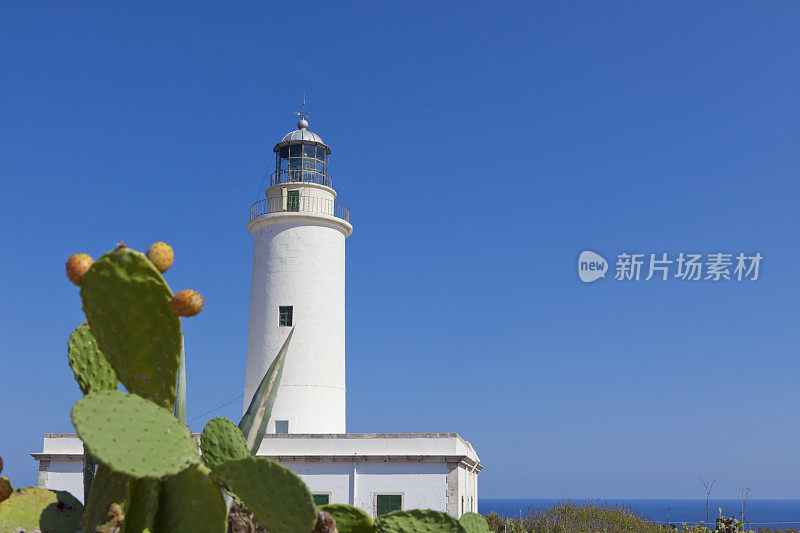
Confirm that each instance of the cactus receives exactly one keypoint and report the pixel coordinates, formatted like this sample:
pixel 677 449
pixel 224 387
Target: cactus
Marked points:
pixel 127 304
pixel 32 508
pixel 180 388
pixel 474 523
pixel 222 441
pixel 190 501
pixel 278 498
pixel 254 422
pixel 141 505
pixel 417 521
pixel 108 487
pixel 349 519
pixel 91 368
pixel 5 488
pixel 132 435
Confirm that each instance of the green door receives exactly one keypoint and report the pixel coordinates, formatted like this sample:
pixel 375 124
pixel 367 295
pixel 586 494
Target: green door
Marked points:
pixel 293 200
pixel 389 502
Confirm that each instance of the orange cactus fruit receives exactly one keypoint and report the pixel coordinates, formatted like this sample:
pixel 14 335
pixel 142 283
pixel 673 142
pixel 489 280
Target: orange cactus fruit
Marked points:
pixel 77 266
pixel 187 303
pixel 5 488
pixel 161 255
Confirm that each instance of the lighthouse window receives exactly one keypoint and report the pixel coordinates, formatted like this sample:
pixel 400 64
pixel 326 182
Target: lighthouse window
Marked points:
pixel 285 152
pixel 285 315
pixel 309 150
pixel 293 200
pixel 320 153
pixel 295 150
pixel 282 427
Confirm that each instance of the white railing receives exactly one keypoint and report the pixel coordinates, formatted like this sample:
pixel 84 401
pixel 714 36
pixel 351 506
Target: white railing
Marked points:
pixel 303 204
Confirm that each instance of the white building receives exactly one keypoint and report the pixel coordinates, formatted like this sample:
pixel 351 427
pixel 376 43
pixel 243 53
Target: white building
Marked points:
pixel 299 232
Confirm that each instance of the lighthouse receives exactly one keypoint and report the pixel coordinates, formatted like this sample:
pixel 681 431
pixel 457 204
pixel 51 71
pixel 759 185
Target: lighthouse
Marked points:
pixel 299 232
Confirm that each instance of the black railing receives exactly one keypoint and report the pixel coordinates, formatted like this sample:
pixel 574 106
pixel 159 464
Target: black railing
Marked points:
pixel 303 204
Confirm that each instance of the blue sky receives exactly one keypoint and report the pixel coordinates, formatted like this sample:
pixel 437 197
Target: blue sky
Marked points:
pixel 480 150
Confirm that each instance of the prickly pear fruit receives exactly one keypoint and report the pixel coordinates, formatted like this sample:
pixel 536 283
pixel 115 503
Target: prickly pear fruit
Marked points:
pixel 5 488
pixel 132 435
pixel 91 368
pixel 277 497
pixel 162 255
pixel 77 266
pixel 222 441
pixel 349 519
pixel 417 520
pixel 187 303
pixel 126 302
pixel 35 509
pixel 473 523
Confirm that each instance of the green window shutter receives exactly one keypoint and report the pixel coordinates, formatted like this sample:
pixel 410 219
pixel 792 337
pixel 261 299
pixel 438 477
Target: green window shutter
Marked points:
pixel 293 200
pixel 388 503
pixel 322 499
pixel 285 315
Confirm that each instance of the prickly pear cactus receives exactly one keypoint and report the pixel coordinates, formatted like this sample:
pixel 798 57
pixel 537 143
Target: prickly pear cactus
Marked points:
pixel 91 368
pixel 141 505
pixel 5 488
pixel 32 508
pixel 418 521
pixel 473 523
pixel 278 498
pixel 127 304
pixel 132 435
pixel 107 487
pixel 190 501
pixel 222 441
pixel 349 519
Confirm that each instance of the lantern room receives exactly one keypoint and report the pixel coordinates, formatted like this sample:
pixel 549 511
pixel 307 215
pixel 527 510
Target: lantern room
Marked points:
pixel 302 156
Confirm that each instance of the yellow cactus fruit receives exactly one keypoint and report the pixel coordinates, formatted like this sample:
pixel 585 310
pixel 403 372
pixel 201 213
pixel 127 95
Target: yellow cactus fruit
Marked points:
pixel 161 255
pixel 187 303
pixel 77 266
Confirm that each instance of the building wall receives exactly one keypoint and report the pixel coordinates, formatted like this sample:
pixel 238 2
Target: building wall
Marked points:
pixel 299 260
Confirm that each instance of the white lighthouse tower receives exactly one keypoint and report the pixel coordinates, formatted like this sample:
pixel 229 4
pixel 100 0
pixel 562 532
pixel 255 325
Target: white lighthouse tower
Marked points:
pixel 299 233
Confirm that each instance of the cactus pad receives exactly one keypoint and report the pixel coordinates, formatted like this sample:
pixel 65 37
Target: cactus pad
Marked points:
pixel 349 519
pixel 5 488
pixel 222 441
pixel 91 368
pixel 132 435
pixel 141 505
pixel 107 487
pixel 473 523
pixel 417 521
pixel 190 501
pixel 127 303
pixel 32 508
pixel 276 496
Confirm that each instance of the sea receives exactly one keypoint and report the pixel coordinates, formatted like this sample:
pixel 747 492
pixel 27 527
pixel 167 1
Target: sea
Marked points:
pixel 774 514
